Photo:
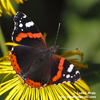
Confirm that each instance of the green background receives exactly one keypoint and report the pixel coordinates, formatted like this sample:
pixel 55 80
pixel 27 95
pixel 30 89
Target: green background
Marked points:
pixel 80 28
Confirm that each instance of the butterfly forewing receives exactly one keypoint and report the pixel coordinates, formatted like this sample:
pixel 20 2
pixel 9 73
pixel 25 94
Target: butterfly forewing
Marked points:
pixel 26 32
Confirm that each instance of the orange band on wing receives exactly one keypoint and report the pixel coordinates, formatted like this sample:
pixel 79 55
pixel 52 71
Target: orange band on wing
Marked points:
pixel 59 73
pixel 32 83
pixel 29 34
pixel 14 63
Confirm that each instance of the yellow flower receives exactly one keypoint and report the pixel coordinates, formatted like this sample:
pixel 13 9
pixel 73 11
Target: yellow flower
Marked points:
pixel 19 90
pixel 6 4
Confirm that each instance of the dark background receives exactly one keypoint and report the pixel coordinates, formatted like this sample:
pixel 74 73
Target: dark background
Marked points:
pixel 80 27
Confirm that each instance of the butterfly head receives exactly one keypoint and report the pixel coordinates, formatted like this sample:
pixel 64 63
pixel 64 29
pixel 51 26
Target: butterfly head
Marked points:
pixel 53 49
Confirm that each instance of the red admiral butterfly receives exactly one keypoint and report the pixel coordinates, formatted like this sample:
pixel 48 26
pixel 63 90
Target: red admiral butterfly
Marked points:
pixel 32 60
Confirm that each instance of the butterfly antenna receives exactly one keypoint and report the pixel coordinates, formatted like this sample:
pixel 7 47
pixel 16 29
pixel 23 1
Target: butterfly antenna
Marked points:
pixel 57 33
pixel 70 48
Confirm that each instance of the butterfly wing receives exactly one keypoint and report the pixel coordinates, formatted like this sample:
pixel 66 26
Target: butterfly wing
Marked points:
pixel 63 71
pixel 26 32
pixel 26 61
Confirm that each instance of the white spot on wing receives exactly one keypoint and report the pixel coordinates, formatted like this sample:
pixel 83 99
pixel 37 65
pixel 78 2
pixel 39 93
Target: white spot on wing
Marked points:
pixel 71 76
pixel 12 49
pixel 77 72
pixel 63 81
pixel 44 84
pixel 20 25
pixel 29 24
pixel 14 27
pixel 24 16
pixel 16 13
pixel 12 33
pixel 12 38
pixel 70 68
pixel 21 29
pixel 59 83
pixel 40 87
pixel 14 23
pixel 68 76
pixel 63 74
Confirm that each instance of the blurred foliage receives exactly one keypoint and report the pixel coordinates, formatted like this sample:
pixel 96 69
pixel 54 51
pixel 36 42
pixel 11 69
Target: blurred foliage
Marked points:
pixel 80 27
pixel 81 21
pixel 3 48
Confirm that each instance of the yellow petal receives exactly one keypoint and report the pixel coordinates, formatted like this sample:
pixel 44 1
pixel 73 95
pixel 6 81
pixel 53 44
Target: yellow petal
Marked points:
pixel 3 4
pixel 73 52
pixel 33 94
pixel 78 64
pixel 19 1
pixel 27 93
pixel 46 93
pixel 43 94
pixel 5 77
pixel 10 7
pixel 24 91
pixel 4 69
pixel 15 92
pixel 44 35
pixel 11 44
pixel 50 92
pixel 37 94
pixel 0 8
pixel 5 63
pixel 83 84
pixel 5 86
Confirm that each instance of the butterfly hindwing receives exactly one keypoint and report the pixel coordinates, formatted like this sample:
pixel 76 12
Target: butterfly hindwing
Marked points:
pixel 63 71
pixel 27 61
pixel 26 32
